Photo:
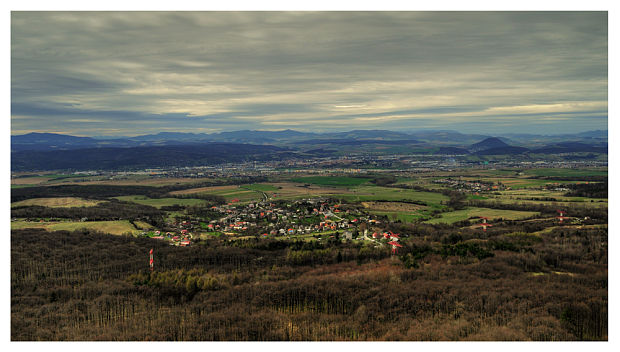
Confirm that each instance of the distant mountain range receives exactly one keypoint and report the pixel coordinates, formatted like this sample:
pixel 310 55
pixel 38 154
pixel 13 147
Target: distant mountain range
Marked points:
pixel 144 157
pixel 52 141
pixel 49 151
pixel 571 147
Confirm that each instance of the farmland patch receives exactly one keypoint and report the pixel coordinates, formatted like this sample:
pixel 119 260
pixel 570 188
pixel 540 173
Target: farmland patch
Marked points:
pixel 58 202
pixel 472 212
pixel 112 227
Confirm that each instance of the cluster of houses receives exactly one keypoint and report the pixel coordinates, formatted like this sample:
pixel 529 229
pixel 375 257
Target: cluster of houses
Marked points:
pixel 309 216
pixel 471 186
pixel 298 217
pixel 183 238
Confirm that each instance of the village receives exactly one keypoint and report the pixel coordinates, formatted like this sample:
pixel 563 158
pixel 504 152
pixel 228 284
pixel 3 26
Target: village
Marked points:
pixel 305 218
pixel 471 186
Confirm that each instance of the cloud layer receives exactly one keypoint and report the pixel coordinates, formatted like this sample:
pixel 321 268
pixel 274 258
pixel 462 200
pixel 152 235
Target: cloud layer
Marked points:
pixel 130 73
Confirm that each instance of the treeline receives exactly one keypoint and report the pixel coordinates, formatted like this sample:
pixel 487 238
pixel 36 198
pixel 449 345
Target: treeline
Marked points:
pixel 82 191
pixel 111 210
pixel 106 191
pixel 595 214
pixel 590 190
pixel 384 180
pixel 591 178
pixel 457 199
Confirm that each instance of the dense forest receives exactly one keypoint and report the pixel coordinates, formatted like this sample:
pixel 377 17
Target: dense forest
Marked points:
pixel 592 190
pixel 442 285
pixel 104 191
pixel 110 210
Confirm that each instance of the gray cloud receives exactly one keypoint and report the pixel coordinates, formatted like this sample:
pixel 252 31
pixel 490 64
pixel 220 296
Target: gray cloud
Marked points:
pixel 190 71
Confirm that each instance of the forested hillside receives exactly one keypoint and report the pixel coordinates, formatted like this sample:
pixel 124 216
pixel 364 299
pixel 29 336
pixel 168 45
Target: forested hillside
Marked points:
pixel 89 286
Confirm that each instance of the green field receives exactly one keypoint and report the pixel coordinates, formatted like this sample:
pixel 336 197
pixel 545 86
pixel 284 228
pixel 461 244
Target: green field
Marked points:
pixel 342 181
pixel 112 227
pixel 241 194
pixel 402 216
pixel 460 215
pixel 370 193
pixel 539 197
pixel 559 195
pixel 559 203
pixel 260 187
pixel 159 202
pixel 518 182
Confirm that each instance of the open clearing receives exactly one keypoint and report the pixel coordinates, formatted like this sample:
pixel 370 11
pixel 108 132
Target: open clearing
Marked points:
pixel 376 193
pixel 460 215
pixel 159 202
pixel 228 192
pixel 503 200
pixel 260 187
pixel 210 190
pixel 60 202
pixel 519 183
pixel 35 180
pixel 112 227
pixel 531 196
pixel 523 194
pixel 289 190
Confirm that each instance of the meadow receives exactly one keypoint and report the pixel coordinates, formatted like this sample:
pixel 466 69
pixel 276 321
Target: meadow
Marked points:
pixel 230 193
pixel 58 202
pixel 118 227
pixel 262 187
pixel 376 193
pixel 473 212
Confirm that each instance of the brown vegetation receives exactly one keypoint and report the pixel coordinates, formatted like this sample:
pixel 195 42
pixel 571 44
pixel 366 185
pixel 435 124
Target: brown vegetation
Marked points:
pixel 206 190
pixel 87 286
pixel 392 206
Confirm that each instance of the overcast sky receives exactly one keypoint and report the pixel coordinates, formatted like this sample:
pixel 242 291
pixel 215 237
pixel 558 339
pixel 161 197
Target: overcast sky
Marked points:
pixel 133 73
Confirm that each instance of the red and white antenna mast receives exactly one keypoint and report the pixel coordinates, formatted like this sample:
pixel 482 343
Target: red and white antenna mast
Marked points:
pixel 561 217
pixel 484 223
pixel 151 259
pixel 395 246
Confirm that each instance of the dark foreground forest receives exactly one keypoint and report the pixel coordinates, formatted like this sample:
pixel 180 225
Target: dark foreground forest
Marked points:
pixel 507 286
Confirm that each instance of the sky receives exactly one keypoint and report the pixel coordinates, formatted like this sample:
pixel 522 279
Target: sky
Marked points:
pixel 136 73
